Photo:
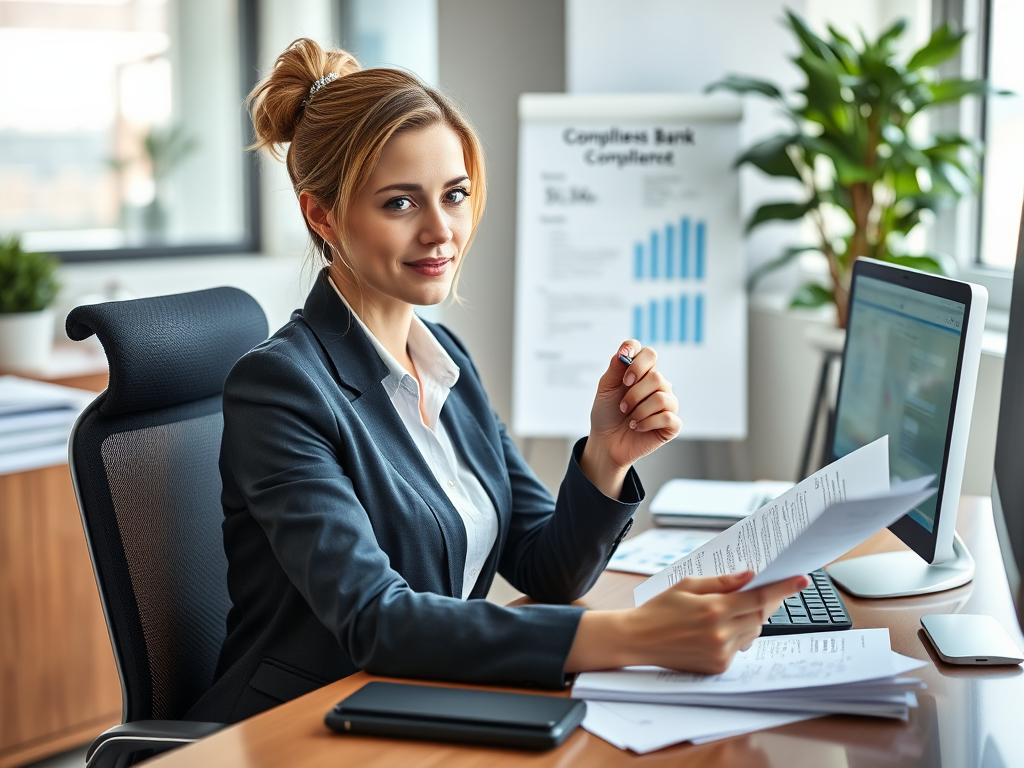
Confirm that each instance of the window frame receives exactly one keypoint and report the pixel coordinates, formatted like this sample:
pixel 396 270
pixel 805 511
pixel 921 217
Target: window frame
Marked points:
pixel 251 241
pixel 961 226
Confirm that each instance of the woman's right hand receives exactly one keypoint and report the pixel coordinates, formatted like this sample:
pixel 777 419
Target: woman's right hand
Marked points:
pixel 697 625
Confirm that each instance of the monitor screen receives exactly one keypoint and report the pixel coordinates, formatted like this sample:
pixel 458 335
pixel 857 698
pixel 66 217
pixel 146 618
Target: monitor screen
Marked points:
pixel 899 377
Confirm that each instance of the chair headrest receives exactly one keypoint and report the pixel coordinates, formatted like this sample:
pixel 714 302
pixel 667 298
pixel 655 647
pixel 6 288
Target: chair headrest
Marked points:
pixel 166 350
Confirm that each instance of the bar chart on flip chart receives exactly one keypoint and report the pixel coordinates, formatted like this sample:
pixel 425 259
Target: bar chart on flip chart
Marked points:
pixel 628 227
pixel 675 259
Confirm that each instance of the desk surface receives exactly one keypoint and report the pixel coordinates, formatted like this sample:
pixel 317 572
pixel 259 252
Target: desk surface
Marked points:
pixel 967 716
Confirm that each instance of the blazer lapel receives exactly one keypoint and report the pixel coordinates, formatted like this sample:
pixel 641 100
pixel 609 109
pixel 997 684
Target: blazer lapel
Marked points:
pixel 359 369
pixel 465 413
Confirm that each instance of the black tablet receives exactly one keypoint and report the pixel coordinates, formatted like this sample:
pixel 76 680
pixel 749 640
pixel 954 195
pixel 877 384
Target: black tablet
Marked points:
pixel 398 710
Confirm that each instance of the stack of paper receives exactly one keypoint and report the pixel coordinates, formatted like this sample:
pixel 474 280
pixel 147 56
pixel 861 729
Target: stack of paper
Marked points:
pixel 35 422
pixel 711 503
pixel 781 679
pixel 851 672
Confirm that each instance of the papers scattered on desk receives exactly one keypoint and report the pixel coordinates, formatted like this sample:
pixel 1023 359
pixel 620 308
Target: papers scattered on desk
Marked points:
pixel 823 517
pixel 35 422
pixel 644 728
pixel 649 552
pixel 780 680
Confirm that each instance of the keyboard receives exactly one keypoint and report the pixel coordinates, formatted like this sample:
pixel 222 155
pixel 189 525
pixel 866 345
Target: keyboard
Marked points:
pixel 818 608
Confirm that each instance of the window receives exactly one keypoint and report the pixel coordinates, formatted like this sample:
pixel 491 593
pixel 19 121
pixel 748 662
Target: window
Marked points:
pixel 1003 180
pixel 392 33
pixel 122 128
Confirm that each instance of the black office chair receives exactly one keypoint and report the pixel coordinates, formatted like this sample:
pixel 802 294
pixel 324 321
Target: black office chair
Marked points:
pixel 144 460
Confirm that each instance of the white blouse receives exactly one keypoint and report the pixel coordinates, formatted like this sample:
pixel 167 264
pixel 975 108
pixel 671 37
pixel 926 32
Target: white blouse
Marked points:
pixel 438 374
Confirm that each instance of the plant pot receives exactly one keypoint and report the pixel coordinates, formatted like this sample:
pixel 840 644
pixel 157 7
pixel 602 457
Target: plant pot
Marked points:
pixel 26 340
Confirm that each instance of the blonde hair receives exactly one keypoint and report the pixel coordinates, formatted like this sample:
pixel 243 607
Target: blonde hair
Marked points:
pixel 336 136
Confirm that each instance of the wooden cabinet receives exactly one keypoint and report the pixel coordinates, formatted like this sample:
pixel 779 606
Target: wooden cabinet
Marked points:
pixel 58 682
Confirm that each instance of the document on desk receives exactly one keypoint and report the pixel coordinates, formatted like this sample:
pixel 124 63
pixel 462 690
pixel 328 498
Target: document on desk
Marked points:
pixel 644 728
pixel 851 672
pixel 855 491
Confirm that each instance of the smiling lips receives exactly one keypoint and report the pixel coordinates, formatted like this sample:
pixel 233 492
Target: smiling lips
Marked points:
pixel 430 267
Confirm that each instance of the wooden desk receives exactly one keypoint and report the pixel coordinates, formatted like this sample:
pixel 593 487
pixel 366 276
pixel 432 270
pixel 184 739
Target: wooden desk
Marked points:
pixel 967 717
pixel 58 683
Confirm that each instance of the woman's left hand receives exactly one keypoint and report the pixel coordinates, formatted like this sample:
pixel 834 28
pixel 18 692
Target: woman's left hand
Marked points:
pixel 634 412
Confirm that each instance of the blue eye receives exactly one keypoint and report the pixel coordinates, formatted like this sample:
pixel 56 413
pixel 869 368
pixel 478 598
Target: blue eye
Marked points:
pixel 456 195
pixel 398 204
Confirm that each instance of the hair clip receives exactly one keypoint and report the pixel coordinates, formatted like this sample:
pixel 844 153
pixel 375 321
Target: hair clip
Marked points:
pixel 330 77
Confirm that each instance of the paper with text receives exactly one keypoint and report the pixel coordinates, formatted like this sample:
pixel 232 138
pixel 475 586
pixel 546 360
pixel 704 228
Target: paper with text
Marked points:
pixel 756 540
pixel 842 528
pixel 774 663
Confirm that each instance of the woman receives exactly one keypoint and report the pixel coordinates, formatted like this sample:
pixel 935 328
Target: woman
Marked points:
pixel 370 493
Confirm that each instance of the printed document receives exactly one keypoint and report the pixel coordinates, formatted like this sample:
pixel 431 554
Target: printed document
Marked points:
pixel 778 527
pixel 773 663
pixel 653 550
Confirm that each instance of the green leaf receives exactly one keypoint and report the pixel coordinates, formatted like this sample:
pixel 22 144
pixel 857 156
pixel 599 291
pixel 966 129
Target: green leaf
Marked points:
pixel 810 296
pixel 741 85
pixel 772 157
pixel 777 263
pixel 780 212
pixel 886 43
pixel 810 41
pixel 955 89
pixel 943 44
pixel 921 263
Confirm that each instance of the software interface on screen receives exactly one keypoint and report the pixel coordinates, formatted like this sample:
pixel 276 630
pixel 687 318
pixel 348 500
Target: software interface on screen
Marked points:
pixel 898 375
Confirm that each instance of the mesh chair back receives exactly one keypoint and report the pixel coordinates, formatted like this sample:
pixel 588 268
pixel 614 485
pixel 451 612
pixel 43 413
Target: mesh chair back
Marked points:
pixel 144 458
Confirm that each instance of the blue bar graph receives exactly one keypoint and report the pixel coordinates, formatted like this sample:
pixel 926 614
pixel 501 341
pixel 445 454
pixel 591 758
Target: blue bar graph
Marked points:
pixel 678 320
pixel 660 258
pixel 699 269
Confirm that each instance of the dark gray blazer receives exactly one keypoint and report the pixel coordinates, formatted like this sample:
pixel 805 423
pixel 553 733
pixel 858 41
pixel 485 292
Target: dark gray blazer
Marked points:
pixel 345 554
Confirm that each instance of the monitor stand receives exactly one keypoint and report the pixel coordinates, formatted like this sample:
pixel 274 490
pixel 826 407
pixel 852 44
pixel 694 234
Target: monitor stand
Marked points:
pixel 899 574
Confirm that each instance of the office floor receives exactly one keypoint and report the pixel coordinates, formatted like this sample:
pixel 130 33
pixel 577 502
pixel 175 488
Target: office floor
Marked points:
pixel 74 758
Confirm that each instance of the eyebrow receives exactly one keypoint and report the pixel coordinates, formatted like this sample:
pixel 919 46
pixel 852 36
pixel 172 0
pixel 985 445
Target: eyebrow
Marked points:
pixel 418 187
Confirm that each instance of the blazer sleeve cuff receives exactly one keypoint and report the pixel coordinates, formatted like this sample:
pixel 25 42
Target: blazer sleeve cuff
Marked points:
pixel 632 489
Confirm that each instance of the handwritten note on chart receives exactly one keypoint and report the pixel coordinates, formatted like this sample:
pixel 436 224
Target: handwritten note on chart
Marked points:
pixel 766 533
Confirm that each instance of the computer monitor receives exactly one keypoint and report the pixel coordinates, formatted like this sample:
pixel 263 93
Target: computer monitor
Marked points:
pixel 910 365
pixel 1008 477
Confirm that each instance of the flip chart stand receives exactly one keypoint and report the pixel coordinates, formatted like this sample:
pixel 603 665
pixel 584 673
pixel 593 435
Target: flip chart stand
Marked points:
pixel 900 574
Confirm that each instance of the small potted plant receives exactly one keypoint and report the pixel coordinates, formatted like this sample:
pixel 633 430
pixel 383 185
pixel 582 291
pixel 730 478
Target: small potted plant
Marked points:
pixel 869 177
pixel 28 286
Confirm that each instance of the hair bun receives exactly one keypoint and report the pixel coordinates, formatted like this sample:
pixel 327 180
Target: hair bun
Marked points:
pixel 276 102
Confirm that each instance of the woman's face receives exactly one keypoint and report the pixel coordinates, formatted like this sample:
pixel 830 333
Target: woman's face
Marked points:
pixel 409 224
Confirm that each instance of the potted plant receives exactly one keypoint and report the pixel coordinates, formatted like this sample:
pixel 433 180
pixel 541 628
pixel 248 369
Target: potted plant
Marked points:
pixel 868 177
pixel 28 286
